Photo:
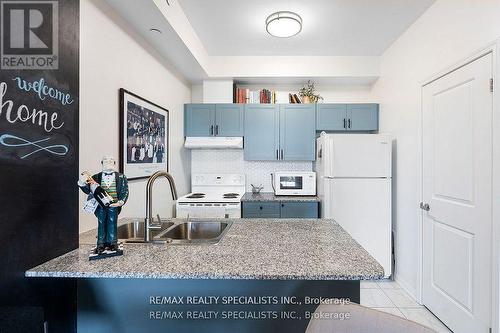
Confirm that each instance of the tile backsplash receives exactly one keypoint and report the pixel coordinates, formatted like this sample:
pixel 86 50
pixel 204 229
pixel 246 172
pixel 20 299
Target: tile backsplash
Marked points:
pixel 231 161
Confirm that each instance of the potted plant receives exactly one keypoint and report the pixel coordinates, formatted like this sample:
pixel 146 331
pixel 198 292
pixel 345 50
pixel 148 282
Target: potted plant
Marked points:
pixel 308 93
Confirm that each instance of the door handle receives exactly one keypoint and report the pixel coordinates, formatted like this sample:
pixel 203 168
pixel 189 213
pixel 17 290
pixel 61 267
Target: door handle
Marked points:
pixel 216 129
pixel 277 154
pixel 282 154
pixel 349 123
pixel 344 124
pixel 212 130
pixel 425 206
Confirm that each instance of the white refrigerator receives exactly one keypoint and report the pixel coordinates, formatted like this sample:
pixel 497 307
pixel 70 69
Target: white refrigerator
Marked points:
pixel 354 175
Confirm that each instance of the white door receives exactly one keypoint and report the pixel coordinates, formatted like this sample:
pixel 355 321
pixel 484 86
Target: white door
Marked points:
pixel 362 206
pixel 457 186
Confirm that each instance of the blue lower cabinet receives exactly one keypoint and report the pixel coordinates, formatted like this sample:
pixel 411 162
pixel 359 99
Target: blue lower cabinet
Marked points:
pixel 299 209
pixel 280 209
pixel 261 209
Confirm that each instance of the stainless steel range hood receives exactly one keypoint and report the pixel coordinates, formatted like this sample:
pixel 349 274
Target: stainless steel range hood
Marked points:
pixel 217 142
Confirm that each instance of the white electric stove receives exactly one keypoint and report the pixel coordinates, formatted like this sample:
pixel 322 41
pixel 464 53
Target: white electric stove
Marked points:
pixel 213 195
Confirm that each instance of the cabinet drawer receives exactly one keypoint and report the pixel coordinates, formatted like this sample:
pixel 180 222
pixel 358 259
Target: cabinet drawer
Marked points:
pixel 299 209
pixel 261 209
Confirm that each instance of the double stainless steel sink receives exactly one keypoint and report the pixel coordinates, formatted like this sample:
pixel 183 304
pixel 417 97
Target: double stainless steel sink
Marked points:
pixel 191 232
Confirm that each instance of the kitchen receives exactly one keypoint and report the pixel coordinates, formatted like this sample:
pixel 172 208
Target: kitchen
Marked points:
pixel 348 200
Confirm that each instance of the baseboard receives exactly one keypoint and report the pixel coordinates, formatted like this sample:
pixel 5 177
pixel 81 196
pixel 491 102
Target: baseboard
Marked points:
pixel 407 287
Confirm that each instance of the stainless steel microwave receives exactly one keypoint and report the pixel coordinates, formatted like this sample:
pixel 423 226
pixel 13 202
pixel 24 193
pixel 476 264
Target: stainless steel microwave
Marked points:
pixel 294 183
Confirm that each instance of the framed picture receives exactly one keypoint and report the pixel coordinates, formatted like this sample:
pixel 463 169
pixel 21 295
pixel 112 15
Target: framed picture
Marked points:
pixel 143 136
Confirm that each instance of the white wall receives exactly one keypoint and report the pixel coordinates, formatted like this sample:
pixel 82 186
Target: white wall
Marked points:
pixel 113 56
pixel 340 93
pixel 293 66
pixel 197 93
pixel 217 91
pixel 448 32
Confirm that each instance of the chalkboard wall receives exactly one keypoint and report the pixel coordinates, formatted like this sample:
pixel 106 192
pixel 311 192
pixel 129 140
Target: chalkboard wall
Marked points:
pixel 39 98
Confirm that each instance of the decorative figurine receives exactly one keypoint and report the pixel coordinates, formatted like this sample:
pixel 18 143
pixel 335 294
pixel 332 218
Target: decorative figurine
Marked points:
pixel 107 192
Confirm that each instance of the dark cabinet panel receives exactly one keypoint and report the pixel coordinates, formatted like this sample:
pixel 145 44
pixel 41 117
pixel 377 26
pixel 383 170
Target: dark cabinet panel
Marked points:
pixel 299 209
pixel 261 209
pixel 280 209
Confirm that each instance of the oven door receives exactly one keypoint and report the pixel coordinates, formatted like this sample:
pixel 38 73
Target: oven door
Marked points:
pixel 208 210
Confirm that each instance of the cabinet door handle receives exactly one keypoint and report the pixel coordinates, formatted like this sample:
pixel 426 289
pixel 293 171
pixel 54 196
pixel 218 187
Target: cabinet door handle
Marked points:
pixel 281 153
pixel 212 130
pixel 216 129
pixel 277 154
pixel 349 122
pixel 344 124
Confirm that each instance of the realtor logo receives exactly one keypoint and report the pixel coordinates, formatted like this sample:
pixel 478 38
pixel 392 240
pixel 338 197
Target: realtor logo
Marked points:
pixel 29 34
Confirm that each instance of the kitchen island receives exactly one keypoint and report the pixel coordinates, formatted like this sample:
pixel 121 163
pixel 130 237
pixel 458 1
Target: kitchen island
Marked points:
pixel 283 249
pixel 265 275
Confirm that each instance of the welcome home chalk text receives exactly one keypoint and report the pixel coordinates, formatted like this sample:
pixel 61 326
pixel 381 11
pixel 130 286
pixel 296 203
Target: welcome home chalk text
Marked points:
pixel 25 114
pixel 42 90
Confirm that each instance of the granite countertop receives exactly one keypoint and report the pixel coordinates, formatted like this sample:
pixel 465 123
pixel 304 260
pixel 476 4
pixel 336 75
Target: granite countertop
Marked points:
pixel 282 249
pixel 269 196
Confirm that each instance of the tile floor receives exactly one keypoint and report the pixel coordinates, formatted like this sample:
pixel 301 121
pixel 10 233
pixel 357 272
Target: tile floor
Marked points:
pixel 388 296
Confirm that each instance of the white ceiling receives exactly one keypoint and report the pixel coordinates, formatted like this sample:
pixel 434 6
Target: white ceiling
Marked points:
pixel 330 27
pixel 168 44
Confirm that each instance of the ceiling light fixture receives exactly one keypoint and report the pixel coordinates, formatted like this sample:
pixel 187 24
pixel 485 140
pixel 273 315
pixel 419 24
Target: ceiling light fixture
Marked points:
pixel 283 24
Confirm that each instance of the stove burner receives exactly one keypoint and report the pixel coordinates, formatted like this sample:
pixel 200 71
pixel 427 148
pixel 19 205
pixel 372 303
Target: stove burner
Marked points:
pixel 230 195
pixel 196 196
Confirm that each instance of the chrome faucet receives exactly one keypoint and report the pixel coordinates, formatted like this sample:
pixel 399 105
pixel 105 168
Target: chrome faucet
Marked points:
pixel 149 201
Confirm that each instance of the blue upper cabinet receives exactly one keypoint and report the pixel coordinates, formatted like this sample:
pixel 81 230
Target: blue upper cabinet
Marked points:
pixel 362 117
pixel 213 120
pixel 297 132
pixel 331 117
pixel 284 132
pixel 229 119
pixel 347 117
pixel 199 119
pixel 261 132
